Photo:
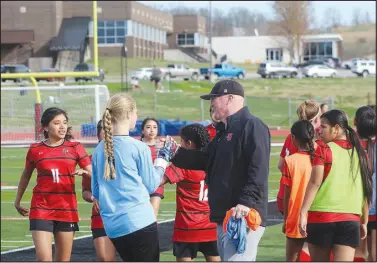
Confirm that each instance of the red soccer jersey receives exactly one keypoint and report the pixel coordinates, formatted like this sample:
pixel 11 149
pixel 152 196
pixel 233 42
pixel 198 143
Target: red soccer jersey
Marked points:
pixel 96 217
pixel 154 150
pixel 192 223
pixel 211 131
pixel 54 196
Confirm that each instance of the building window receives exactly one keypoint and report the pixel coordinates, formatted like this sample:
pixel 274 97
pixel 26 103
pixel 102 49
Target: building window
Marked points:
pixel 274 54
pixel 318 50
pixel 110 32
pixel 185 39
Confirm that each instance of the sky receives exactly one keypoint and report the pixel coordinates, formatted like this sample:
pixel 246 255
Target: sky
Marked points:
pixel 345 7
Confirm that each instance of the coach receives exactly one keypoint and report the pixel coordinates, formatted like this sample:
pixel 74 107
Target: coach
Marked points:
pixel 237 166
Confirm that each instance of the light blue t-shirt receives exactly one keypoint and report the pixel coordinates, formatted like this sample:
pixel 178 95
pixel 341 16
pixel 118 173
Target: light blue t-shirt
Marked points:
pixel 372 210
pixel 124 201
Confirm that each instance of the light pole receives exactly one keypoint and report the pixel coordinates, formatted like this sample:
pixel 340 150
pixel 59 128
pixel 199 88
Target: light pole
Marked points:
pixel 210 34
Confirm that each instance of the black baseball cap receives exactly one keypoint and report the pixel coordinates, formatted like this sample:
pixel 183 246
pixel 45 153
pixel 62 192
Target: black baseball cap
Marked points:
pixel 224 87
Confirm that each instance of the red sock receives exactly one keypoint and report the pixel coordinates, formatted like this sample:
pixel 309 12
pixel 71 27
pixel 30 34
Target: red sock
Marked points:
pixel 304 257
pixel 356 259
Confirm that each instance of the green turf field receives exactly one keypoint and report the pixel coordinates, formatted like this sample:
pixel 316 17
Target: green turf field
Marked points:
pixel 14 228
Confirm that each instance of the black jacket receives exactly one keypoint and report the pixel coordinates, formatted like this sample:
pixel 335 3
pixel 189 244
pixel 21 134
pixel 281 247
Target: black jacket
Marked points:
pixel 237 165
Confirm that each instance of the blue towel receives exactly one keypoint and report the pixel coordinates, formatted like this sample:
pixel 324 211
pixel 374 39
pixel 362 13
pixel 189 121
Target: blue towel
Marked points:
pixel 236 229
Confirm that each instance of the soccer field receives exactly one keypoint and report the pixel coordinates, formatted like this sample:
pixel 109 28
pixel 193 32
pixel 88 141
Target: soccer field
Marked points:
pixel 15 229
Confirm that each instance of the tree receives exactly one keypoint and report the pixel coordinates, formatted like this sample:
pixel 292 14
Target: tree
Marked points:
pixel 293 20
pixel 367 19
pixel 356 17
pixel 332 18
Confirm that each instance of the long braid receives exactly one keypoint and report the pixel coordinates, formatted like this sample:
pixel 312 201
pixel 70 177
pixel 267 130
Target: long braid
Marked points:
pixel 311 133
pixel 108 146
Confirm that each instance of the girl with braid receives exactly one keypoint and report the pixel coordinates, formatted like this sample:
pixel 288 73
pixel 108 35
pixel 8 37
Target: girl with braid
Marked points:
pixel 149 129
pixel 296 174
pixel 123 178
pixel 334 213
pixel 365 122
pixel 310 111
pixel 193 230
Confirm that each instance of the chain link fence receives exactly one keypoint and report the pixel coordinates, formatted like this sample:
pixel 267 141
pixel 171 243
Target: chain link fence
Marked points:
pixel 178 105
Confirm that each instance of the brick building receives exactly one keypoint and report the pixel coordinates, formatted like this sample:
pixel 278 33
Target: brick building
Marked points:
pixel 50 28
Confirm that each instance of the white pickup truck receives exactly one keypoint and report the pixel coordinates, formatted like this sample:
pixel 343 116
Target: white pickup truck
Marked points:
pixel 181 71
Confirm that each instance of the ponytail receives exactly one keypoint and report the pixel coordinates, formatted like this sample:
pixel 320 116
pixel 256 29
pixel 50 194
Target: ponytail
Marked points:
pixel 364 164
pixel 108 146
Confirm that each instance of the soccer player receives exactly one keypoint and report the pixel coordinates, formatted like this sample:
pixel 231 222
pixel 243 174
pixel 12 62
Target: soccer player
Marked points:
pixel 105 249
pixel 324 107
pixel 53 209
pixel 193 230
pixel 149 129
pixel 123 178
pixel 332 217
pixel 296 174
pixel 365 122
pixel 308 110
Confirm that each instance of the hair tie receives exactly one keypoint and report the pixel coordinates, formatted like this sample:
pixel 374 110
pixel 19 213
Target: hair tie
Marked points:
pixel 108 110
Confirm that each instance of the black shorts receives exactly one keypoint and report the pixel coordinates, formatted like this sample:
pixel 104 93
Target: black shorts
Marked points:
pixel 325 235
pixel 98 232
pixel 372 225
pixel 156 79
pixel 139 246
pixel 190 250
pixel 53 226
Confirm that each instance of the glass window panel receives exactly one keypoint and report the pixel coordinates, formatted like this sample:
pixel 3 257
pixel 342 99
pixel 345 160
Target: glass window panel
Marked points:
pixel 110 32
pixel 100 24
pixel 328 49
pixel 101 40
pixel 110 24
pixel 321 48
pixel 120 40
pixel 313 49
pixel 101 32
pixel 121 32
pixel 120 23
pixel 110 40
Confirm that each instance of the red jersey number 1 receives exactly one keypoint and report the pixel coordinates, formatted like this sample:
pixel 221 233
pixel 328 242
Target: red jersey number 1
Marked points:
pixel 55 175
pixel 203 195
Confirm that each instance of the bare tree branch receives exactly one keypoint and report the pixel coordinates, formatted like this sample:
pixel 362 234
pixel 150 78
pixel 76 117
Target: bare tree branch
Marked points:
pixel 293 19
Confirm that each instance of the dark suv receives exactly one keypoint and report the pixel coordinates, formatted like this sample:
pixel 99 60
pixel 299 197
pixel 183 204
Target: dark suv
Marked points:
pixel 84 67
pixel 18 68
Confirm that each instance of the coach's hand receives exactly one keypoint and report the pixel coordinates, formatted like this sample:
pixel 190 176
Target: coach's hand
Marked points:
pixel 21 210
pixel 240 211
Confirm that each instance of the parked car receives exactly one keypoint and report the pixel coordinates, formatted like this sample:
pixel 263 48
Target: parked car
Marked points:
pixel 82 67
pixel 271 69
pixel 310 63
pixel 223 70
pixel 17 68
pixel 142 73
pixel 364 68
pixel 182 71
pixel 321 71
pixel 50 79
pixel 348 63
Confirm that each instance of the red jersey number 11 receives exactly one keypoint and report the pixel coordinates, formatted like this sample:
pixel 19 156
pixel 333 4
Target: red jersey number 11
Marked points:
pixel 203 195
pixel 55 175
